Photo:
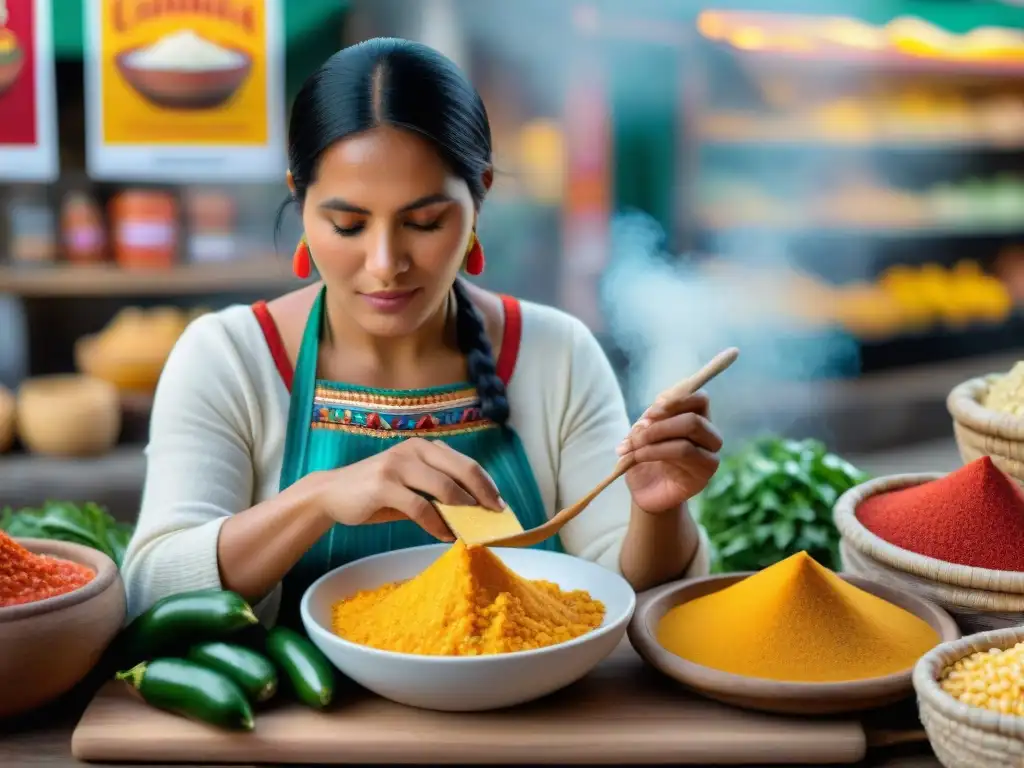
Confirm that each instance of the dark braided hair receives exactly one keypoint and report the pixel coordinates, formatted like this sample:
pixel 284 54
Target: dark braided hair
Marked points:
pixel 474 344
pixel 407 85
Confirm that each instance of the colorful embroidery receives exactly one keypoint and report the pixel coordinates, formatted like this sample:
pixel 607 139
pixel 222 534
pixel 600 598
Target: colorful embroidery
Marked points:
pixel 394 414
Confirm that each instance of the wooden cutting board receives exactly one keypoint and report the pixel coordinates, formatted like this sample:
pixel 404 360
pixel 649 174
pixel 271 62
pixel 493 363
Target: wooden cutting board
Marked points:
pixel 622 712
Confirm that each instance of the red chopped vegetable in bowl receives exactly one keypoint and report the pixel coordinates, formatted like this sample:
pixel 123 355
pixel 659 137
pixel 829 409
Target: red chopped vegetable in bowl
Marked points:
pixel 26 577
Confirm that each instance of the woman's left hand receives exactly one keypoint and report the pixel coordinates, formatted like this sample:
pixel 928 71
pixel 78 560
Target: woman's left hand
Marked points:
pixel 675 446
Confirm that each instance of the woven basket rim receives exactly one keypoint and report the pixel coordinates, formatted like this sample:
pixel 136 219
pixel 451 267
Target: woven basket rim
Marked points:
pixel 974 445
pixel 964 405
pixel 946 595
pixel 926 681
pixel 850 528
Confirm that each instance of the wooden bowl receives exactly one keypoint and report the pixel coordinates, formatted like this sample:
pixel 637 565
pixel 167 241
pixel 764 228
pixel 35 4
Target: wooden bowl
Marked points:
pixel 961 735
pixel 47 647
pixel 773 695
pixel 10 69
pixel 68 415
pixel 129 373
pixel 174 89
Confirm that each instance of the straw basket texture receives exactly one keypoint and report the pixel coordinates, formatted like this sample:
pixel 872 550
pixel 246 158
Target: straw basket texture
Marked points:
pixel 964 736
pixel 978 598
pixel 982 432
pixel 974 610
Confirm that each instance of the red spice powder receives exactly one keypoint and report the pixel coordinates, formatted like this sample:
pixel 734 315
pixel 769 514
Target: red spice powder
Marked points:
pixel 973 516
pixel 26 577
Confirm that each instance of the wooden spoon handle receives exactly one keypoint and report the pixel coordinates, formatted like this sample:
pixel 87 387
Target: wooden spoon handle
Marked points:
pixel 684 388
pixel 546 530
pixel 624 465
pixel 691 384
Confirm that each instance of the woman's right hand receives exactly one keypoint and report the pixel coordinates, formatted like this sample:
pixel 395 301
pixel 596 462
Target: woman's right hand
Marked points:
pixel 389 486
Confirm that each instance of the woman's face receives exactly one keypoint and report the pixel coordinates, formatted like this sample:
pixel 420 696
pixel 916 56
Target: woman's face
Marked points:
pixel 388 227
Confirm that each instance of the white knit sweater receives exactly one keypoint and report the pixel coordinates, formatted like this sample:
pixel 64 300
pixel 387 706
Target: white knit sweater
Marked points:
pixel 218 431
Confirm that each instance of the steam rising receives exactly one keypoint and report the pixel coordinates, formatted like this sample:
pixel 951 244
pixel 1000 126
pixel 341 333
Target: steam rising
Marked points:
pixel 671 314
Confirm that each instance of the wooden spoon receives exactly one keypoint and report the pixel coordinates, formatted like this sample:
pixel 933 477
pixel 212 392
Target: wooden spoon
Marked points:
pixel 462 515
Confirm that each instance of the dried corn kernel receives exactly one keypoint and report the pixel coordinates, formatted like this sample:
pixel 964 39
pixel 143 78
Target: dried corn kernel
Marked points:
pixel 992 679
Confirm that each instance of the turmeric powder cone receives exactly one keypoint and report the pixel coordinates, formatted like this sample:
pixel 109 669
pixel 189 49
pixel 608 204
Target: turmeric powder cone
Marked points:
pixel 467 603
pixel 796 622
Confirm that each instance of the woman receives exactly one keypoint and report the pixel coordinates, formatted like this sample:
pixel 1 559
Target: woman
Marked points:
pixel 294 436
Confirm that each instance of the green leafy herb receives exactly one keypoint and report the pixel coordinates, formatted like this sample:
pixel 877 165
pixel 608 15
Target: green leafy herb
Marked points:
pixel 88 524
pixel 773 498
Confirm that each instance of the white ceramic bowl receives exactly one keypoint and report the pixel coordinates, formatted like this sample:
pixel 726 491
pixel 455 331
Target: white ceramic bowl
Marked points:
pixel 468 683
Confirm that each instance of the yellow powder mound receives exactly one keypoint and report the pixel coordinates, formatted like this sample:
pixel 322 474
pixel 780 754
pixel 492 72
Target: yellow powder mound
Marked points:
pixel 467 603
pixel 796 621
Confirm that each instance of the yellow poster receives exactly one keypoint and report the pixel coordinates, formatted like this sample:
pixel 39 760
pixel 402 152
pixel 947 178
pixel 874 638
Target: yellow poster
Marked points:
pixel 185 90
pixel 184 72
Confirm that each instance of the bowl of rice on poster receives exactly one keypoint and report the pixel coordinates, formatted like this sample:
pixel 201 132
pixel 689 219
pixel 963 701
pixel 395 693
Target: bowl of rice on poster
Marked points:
pixel 186 74
pixel 184 70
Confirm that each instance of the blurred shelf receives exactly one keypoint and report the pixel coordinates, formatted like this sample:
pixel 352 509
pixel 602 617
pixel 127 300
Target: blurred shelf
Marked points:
pixel 874 412
pixel 107 280
pixel 812 230
pixel 918 144
pixel 851 63
pixel 31 468
pixel 811 353
pixel 113 480
pixel 942 345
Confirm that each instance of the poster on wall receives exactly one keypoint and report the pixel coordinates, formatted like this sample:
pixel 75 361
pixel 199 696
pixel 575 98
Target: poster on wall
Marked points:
pixel 185 91
pixel 28 109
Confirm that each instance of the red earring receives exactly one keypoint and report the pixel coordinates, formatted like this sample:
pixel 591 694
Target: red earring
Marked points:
pixel 301 261
pixel 475 257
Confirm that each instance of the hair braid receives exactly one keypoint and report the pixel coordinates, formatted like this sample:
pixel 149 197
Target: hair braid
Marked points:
pixel 474 344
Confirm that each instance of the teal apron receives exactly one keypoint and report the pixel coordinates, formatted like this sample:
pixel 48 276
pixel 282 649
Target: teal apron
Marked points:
pixel 332 425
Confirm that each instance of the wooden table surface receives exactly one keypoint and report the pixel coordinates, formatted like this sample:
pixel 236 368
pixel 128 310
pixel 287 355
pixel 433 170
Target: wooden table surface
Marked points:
pixel 43 738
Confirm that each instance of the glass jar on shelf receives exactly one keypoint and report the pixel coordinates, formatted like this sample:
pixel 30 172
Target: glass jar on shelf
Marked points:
pixel 145 228
pixel 31 227
pixel 82 228
pixel 212 225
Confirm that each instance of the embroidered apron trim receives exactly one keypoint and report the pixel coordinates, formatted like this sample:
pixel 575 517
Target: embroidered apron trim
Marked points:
pixel 388 414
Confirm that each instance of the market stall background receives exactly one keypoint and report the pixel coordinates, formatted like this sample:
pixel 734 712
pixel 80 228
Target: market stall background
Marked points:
pixel 667 171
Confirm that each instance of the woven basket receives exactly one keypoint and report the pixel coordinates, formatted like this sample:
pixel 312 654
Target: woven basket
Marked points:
pixel 974 610
pixel 964 736
pixel 927 568
pixel 983 432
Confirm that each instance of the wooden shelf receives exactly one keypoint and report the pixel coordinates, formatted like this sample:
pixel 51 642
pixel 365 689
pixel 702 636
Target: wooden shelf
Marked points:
pixel 852 63
pixel 867 229
pixel 108 280
pixel 114 480
pixel 758 140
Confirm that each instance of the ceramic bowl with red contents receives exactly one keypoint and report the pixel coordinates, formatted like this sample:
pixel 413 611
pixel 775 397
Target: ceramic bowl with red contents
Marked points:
pixel 58 614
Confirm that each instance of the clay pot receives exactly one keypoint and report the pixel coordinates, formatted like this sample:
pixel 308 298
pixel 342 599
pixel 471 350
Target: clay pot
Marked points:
pixel 49 646
pixel 68 415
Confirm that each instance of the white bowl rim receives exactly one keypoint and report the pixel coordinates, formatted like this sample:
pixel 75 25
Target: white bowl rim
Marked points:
pixel 600 631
